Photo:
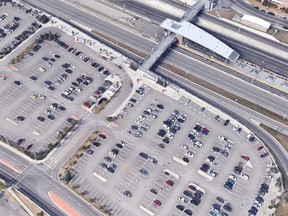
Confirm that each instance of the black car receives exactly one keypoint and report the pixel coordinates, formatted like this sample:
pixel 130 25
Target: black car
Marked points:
pixel 180 207
pixel 198 194
pixel 133 100
pixel 161 133
pixel 51 88
pixel 68 71
pixel 226 122
pixel 198 128
pixel 220 199
pixel 20 118
pixel 45 58
pixel 143 155
pixel 195 201
pixel 264 155
pixel 110 169
pixel 62 108
pixel 160 106
pixel 51 117
pixel 227 207
pixel 216 149
pixel 166 140
pixel 154 191
pixel 33 78
pixel 204 167
pixel 48 82
pixel 108 159
pixel 185 159
pixel 41 119
pixel 97 144
pixel 16 82
pixel 119 146
pixel 188 193
pixel 188 212
pixel 20 141
pixel 238 170
pixel 103 165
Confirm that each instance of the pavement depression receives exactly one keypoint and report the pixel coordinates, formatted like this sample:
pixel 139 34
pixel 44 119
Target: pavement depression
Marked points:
pixel 11 166
pixel 62 205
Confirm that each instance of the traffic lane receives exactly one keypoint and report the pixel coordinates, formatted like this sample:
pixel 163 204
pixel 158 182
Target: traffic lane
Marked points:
pixel 253 54
pixel 245 32
pixel 39 184
pixel 246 8
pixel 228 82
pixel 104 26
pixel 157 16
pixel 215 99
pixel 134 40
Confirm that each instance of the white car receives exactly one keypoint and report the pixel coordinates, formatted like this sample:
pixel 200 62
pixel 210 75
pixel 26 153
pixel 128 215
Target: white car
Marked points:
pixel 42 69
pixel 237 129
pixel 113 154
pixel 184 147
pixel 223 138
pixel 233 177
pixel 189 153
pixel 182 199
pixel 198 143
pixel 245 176
pixel 142 117
pixel 270 165
pixel 270 176
pixel 43 97
pixel 212 173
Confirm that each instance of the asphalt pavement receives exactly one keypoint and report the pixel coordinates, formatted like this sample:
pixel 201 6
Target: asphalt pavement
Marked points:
pixel 175 58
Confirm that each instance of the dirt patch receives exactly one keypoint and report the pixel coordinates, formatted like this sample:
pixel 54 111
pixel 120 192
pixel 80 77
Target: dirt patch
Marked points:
pixel 227 14
pixel 268 9
pixel 281 35
pixel 282 209
pixel 31 205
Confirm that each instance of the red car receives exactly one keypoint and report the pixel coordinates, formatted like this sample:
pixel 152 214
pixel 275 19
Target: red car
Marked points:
pixel 245 157
pixel 192 187
pixel 157 202
pixel 260 148
pixel 170 183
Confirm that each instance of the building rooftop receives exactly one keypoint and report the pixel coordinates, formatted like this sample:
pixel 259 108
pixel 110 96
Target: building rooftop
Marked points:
pixel 256 20
pixel 199 36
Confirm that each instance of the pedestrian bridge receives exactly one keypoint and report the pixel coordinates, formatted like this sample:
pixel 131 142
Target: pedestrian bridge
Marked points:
pixel 169 38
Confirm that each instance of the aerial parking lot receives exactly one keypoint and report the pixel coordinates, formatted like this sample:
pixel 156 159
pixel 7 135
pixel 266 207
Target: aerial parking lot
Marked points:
pixel 53 82
pixel 181 160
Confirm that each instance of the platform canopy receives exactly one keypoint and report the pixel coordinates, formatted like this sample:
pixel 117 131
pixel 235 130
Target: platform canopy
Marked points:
pixel 199 36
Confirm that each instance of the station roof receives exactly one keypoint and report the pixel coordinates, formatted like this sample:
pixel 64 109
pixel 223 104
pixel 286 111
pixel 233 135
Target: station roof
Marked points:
pixel 256 20
pixel 199 36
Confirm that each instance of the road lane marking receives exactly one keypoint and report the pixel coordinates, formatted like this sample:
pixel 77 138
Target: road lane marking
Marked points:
pixel 62 204
pixel 11 166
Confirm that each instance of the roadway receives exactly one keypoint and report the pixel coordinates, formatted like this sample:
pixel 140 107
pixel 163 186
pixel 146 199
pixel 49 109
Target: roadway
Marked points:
pixel 184 62
pixel 244 7
pixel 39 180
